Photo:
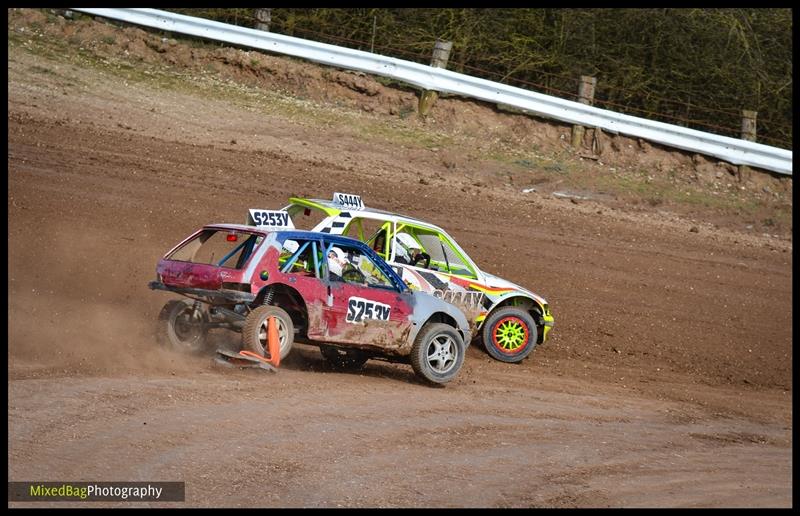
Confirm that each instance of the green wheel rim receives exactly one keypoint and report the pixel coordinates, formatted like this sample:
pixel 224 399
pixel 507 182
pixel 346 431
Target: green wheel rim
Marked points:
pixel 510 335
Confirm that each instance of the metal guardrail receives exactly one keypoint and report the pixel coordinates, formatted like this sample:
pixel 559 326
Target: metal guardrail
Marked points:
pixel 733 150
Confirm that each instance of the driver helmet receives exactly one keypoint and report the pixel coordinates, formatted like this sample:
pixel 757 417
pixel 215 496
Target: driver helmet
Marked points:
pixel 291 246
pixel 407 245
pixel 336 263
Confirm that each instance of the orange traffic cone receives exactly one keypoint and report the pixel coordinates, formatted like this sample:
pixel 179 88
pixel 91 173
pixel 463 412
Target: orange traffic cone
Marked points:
pixel 273 342
pixel 273 346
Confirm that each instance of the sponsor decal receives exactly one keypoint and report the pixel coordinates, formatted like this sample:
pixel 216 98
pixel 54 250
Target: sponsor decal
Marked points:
pixel 470 295
pixel 456 297
pixel 434 280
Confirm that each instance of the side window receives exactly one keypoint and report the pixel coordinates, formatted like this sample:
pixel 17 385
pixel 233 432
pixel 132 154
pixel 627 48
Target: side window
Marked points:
pixel 300 257
pixel 408 250
pixel 371 231
pixel 430 250
pixel 350 265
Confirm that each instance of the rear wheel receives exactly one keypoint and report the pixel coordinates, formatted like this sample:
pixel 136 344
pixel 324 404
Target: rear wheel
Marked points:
pixel 181 327
pixel 344 359
pixel 509 334
pixel 438 353
pixel 255 334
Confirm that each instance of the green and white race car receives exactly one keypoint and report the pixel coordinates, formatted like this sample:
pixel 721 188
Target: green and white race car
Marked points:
pixel 509 319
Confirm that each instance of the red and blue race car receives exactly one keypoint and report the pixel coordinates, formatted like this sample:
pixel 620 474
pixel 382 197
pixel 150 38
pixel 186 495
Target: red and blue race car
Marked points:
pixel 321 289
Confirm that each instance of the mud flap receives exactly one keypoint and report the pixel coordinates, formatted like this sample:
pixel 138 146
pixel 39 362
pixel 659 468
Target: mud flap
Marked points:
pixel 242 360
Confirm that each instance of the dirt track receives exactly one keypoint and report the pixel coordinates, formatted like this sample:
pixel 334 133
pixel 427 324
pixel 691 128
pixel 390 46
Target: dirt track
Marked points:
pixel 667 381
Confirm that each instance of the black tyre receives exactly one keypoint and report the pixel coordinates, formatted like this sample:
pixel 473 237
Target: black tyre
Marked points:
pixel 344 359
pixel 509 334
pixel 181 327
pixel 438 353
pixel 255 333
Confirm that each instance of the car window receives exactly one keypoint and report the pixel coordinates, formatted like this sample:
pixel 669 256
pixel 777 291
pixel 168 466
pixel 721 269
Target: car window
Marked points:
pixel 350 265
pixel 305 217
pixel 373 232
pixel 298 257
pixel 443 256
pixel 223 248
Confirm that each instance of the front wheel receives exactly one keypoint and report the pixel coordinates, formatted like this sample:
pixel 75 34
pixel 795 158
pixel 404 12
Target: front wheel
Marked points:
pixel 509 334
pixel 181 327
pixel 255 334
pixel 438 353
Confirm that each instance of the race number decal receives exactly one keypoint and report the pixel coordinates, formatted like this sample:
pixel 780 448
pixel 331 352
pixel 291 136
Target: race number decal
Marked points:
pixel 271 219
pixel 359 309
pixel 351 201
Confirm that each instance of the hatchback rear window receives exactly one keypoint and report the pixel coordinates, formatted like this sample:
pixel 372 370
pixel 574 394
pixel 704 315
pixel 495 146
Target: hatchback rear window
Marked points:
pixel 222 248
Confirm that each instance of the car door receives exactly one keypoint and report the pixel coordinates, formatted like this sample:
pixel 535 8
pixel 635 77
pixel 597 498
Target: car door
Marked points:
pixel 448 275
pixel 300 268
pixel 365 306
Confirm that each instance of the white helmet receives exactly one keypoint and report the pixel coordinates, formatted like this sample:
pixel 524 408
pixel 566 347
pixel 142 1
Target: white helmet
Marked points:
pixel 291 246
pixel 335 265
pixel 407 241
pixel 338 252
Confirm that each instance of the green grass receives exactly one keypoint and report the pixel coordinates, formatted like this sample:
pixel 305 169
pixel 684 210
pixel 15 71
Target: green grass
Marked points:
pixel 41 69
pixel 635 187
pixel 658 192
pixel 397 133
pixel 406 111
pixel 531 161
pixel 394 83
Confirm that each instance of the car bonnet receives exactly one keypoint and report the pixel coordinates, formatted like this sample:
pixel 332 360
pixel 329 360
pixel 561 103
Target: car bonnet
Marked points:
pixel 497 282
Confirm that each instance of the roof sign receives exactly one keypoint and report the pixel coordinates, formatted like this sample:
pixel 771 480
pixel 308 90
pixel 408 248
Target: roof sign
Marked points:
pixel 350 201
pixel 271 219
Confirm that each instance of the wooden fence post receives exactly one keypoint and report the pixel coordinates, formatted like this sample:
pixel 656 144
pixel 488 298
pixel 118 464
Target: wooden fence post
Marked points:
pixel 749 134
pixel 441 54
pixel 263 19
pixel 585 96
pixel 374 29
pixel 749 125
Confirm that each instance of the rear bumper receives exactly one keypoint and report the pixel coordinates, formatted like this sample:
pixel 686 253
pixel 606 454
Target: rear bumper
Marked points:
pixel 222 295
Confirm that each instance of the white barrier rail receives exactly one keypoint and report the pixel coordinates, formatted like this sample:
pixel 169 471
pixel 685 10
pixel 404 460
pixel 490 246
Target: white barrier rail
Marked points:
pixel 733 150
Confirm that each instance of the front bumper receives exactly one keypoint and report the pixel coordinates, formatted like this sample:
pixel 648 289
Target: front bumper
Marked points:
pixel 549 321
